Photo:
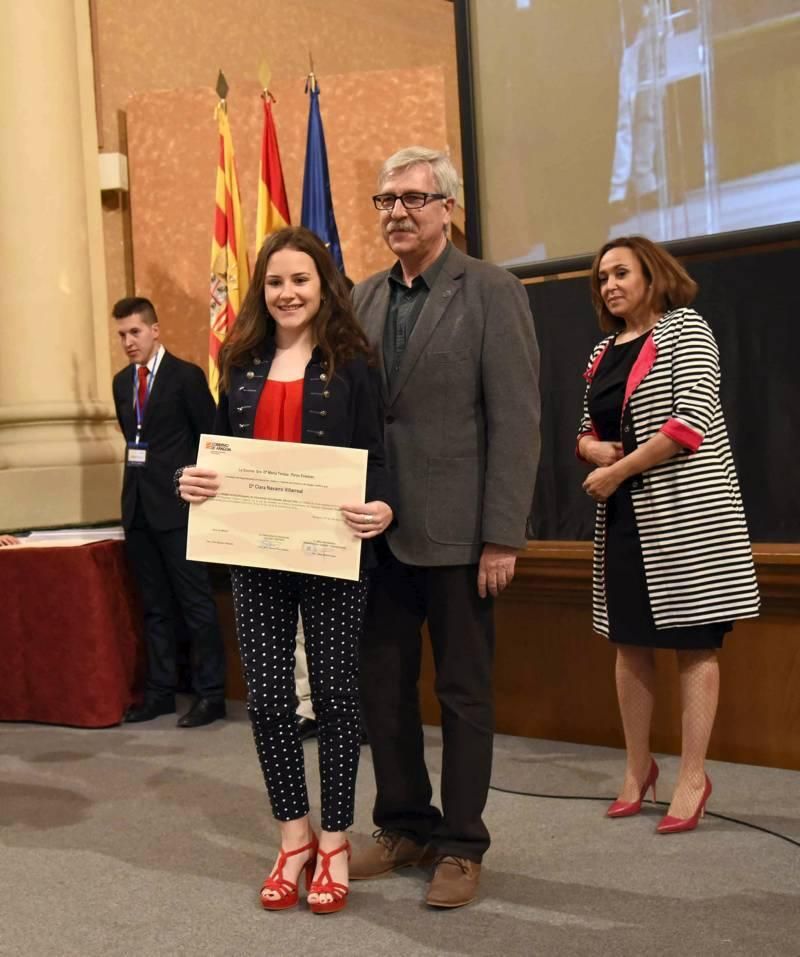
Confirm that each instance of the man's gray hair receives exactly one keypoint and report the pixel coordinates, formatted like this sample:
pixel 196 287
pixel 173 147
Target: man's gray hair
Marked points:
pixel 444 173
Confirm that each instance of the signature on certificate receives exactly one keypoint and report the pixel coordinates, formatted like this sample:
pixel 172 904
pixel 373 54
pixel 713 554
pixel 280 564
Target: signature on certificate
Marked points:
pixel 319 549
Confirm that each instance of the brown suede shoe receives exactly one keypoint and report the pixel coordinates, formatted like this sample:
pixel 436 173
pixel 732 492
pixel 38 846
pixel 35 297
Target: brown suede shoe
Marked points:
pixel 388 853
pixel 455 882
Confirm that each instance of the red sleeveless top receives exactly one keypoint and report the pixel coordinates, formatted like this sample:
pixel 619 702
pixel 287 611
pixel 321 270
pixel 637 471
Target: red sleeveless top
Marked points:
pixel 279 415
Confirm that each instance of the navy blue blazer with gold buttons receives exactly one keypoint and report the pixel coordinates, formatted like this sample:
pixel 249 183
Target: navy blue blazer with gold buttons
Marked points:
pixel 345 410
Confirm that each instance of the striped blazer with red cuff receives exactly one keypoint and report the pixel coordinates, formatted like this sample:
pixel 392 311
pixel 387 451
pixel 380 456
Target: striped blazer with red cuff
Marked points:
pixel 696 548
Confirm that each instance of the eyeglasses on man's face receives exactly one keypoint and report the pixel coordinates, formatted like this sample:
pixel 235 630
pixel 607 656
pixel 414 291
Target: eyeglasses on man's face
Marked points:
pixel 385 201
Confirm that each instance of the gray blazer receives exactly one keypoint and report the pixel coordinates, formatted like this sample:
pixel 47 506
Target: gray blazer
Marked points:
pixel 462 416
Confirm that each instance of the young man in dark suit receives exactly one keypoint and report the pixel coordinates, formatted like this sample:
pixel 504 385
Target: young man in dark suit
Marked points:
pixel 459 361
pixel 163 404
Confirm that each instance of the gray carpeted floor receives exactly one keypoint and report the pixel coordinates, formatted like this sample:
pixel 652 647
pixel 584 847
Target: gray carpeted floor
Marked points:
pixel 149 840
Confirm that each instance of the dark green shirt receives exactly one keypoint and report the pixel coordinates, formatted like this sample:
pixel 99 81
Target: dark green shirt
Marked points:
pixel 405 305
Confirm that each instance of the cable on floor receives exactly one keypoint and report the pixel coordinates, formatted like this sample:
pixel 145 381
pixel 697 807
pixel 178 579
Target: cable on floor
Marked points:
pixel 608 800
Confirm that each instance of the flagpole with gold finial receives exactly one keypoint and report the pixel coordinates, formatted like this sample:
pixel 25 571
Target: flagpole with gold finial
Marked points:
pixel 311 80
pixel 264 78
pixel 222 91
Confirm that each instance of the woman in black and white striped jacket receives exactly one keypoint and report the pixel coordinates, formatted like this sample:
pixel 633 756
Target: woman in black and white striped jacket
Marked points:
pixel 673 565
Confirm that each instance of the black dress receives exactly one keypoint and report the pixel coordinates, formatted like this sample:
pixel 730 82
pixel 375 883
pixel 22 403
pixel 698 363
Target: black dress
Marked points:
pixel 630 617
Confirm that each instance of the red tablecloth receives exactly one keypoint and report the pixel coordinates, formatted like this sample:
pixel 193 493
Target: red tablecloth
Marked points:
pixel 69 635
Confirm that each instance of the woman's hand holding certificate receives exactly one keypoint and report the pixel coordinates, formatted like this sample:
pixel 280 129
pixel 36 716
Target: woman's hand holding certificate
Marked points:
pixel 370 520
pixel 196 485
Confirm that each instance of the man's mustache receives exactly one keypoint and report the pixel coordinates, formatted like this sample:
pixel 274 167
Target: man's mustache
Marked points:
pixel 403 226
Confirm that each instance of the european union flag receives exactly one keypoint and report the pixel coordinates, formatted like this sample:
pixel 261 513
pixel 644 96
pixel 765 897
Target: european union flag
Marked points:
pixel 317 212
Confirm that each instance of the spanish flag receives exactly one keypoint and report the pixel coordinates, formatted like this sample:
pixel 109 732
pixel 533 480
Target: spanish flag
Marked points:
pixel 273 206
pixel 230 274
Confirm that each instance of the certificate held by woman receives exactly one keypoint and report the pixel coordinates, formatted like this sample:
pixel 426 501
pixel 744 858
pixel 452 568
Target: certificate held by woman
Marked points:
pixel 279 506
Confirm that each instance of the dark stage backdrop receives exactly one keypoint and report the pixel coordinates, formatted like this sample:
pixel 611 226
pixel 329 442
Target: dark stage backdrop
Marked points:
pixel 752 302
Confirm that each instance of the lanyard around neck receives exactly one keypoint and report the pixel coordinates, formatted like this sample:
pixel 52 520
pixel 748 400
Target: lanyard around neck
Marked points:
pixel 148 389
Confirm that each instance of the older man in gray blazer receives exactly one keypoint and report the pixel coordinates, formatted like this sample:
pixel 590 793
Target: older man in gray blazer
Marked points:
pixel 459 362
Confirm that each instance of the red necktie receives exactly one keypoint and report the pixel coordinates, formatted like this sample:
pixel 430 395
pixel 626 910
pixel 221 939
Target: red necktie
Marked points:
pixel 142 394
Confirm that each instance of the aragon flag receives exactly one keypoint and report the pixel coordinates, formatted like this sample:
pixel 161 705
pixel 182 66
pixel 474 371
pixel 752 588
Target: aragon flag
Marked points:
pixel 230 274
pixel 273 206
pixel 317 212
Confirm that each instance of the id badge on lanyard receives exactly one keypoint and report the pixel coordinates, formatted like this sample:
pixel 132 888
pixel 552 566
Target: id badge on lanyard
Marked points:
pixel 136 455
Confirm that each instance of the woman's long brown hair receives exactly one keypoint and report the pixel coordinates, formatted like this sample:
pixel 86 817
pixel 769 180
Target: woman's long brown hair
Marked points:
pixel 335 328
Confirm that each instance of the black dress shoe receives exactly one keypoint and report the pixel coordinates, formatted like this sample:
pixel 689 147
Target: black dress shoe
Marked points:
pixel 150 708
pixel 307 728
pixel 203 711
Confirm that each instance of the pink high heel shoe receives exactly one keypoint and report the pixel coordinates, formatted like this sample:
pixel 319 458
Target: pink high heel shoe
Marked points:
pixel 629 808
pixel 673 825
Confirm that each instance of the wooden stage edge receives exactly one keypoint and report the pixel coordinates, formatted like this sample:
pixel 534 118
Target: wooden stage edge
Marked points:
pixel 554 570
pixel 555 677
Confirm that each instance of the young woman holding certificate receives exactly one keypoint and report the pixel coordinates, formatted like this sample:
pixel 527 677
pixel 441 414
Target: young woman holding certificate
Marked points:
pixel 296 368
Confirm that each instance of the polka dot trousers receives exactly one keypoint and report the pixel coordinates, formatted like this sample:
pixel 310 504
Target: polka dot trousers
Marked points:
pixel 266 605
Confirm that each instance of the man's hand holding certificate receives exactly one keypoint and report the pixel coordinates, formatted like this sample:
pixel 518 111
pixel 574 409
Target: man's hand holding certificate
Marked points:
pixel 282 505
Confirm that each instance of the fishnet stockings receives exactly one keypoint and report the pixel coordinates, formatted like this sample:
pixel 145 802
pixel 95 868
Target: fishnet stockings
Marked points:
pixel 699 680
pixel 636 685
pixel 699 685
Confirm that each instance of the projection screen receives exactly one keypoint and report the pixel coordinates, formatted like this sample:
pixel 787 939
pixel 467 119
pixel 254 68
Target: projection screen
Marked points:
pixel 595 118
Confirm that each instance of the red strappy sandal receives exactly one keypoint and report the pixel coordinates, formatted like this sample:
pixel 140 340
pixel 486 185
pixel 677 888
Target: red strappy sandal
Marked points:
pixel 326 884
pixel 287 891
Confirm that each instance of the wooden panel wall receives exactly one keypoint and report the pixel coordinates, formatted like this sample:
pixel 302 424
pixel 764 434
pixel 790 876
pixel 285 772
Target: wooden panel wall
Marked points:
pixel 555 678
pixel 151 45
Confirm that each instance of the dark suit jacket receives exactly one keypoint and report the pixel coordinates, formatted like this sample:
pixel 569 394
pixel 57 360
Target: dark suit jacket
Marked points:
pixel 180 407
pixel 345 411
pixel 462 415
